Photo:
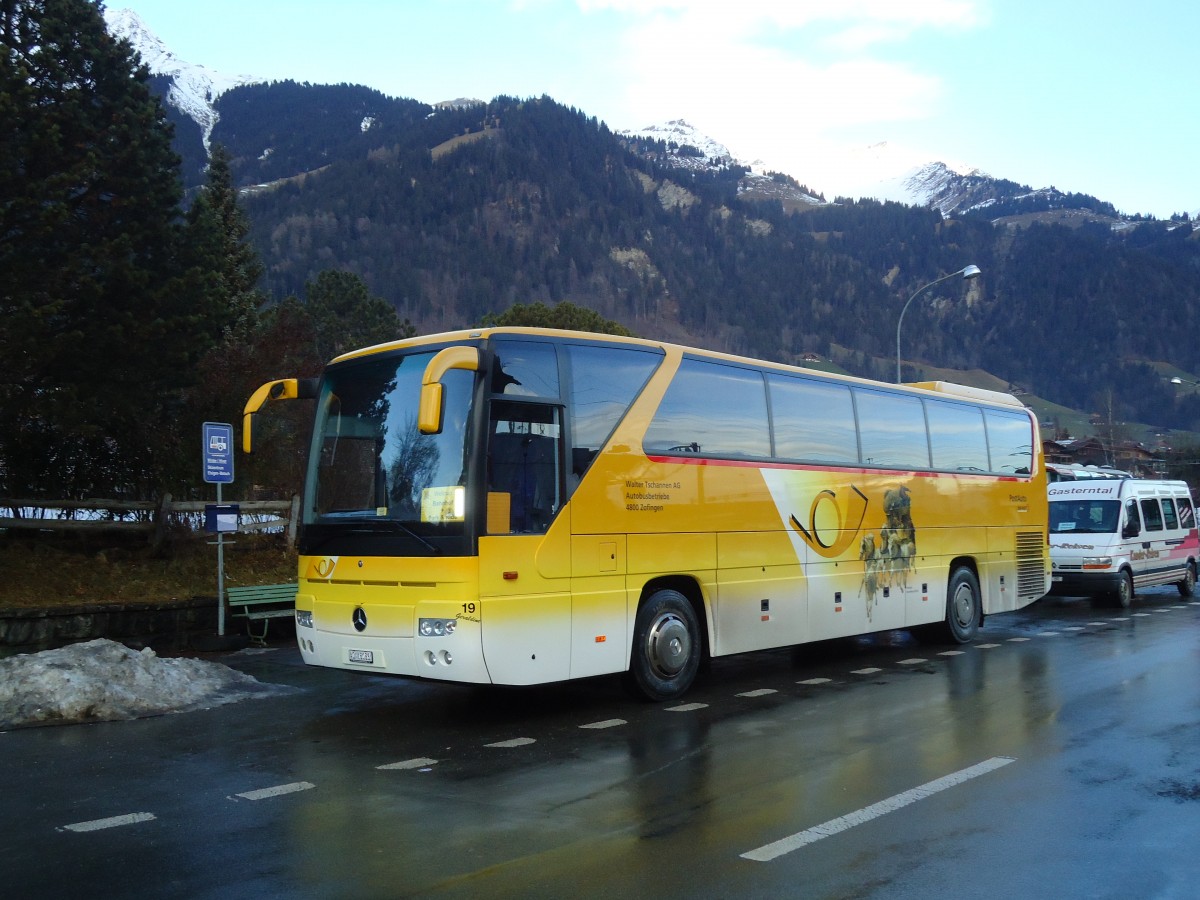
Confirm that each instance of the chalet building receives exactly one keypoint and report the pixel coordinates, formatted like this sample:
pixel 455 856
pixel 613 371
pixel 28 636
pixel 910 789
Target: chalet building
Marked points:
pixel 1129 456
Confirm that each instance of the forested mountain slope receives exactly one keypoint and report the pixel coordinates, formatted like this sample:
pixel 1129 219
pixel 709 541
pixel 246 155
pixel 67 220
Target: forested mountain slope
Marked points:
pixel 457 212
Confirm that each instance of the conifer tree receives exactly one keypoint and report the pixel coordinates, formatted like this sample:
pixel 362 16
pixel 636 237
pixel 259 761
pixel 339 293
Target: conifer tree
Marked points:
pixel 565 315
pixel 345 316
pixel 99 322
pixel 217 243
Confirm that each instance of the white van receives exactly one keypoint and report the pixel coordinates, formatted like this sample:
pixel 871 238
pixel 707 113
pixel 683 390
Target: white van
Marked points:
pixel 1112 536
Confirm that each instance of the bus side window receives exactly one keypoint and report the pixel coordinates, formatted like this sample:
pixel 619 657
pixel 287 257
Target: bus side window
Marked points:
pixel 603 384
pixel 715 409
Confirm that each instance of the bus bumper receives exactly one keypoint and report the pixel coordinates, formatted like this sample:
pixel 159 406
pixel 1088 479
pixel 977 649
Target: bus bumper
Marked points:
pixel 455 657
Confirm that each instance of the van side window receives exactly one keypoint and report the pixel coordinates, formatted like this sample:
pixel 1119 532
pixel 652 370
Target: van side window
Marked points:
pixel 1187 516
pixel 1169 518
pixel 1151 514
pixel 1132 520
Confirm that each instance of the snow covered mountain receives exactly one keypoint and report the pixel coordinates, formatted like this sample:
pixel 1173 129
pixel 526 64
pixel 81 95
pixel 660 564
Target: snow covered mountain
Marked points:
pixel 882 171
pixel 690 149
pixel 194 87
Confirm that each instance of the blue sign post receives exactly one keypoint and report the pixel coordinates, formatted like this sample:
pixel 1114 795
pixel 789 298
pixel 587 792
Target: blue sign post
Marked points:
pixel 218 469
pixel 218 454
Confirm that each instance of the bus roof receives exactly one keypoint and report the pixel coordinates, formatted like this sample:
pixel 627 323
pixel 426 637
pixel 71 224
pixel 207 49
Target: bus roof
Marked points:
pixel 472 335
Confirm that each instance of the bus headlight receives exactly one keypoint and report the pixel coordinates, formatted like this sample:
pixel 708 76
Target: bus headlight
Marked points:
pixel 304 617
pixel 1097 562
pixel 436 627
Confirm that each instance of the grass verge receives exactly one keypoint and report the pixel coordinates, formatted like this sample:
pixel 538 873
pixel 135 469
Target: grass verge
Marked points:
pixel 56 572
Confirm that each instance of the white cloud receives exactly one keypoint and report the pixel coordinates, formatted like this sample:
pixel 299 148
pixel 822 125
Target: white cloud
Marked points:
pixel 778 80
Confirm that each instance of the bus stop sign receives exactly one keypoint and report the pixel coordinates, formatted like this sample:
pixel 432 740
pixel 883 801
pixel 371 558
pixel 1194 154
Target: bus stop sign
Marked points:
pixel 218 453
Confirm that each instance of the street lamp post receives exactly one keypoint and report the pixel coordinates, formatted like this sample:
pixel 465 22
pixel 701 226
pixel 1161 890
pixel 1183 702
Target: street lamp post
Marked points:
pixel 967 272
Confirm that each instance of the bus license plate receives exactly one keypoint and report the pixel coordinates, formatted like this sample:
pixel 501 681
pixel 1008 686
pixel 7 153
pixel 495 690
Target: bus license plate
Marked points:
pixel 361 656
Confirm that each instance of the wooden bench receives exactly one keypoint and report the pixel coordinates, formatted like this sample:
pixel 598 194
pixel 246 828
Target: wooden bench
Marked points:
pixel 262 603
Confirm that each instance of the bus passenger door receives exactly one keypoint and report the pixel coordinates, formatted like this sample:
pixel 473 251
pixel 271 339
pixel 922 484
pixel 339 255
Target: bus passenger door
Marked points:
pixel 525 553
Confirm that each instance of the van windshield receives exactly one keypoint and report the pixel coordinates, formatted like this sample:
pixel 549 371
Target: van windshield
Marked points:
pixel 1084 516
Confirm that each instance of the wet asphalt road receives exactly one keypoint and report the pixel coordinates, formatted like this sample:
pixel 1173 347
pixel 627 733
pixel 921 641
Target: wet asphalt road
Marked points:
pixel 1058 756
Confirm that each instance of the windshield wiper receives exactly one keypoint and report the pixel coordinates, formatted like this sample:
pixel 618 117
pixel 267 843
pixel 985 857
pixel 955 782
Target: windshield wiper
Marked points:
pixel 375 526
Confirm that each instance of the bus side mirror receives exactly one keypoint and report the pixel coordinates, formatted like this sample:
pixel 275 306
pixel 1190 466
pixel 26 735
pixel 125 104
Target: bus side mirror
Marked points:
pixel 281 389
pixel 429 415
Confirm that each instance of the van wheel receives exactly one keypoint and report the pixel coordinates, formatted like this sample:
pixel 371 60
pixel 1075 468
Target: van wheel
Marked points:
pixel 1187 586
pixel 666 647
pixel 964 606
pixel 1124 595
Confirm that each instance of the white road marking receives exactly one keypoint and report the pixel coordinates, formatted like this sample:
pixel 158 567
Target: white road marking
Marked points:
pixel 1099 624
pixel 112 822
pixel 1048 634
pixel 277 791
pixel 514 742
pixel 606 723
pixel 761 692
pixel 1121 619
pixel 1017 640
pixel 867 671
pixel 815 681
pixel 1075 628
pixel 771 851
pixel 417 763
pixel 952 653
pixel 986 646
pixel 1141 615
pixel 912 662
pixel 686 707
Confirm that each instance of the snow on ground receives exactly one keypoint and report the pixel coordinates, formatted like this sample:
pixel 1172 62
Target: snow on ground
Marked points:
pixel 103 680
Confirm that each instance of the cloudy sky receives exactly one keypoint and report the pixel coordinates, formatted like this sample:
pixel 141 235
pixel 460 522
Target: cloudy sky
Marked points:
pixel 1096 97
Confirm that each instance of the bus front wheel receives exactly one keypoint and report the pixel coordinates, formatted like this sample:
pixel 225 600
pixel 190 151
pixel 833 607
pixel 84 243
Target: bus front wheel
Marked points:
pixel 666 647
pixel 964 606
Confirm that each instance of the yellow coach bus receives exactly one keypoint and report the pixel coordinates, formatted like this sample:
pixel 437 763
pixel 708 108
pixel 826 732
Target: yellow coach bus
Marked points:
pixel 520 506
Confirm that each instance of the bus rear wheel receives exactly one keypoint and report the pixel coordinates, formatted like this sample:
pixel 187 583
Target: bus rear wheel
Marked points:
pixel 666 647
pixel 964 606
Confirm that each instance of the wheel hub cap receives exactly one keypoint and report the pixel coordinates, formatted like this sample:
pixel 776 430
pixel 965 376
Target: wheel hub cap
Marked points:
pixel 669 645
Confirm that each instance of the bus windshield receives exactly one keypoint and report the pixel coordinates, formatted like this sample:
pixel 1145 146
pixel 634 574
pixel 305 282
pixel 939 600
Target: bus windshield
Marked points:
pixel 371 470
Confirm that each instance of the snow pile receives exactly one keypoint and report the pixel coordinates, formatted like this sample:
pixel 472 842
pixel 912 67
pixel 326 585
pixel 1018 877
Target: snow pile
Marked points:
pixel 102 680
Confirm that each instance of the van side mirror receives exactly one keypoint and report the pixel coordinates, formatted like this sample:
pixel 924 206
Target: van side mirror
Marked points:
pixel 1130 530
pixel 429 415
